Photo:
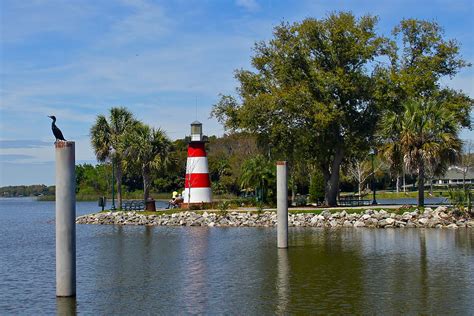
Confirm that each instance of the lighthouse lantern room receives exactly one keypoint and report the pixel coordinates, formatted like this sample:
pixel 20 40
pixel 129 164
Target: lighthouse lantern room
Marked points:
pixel 197 185
pixel 196 131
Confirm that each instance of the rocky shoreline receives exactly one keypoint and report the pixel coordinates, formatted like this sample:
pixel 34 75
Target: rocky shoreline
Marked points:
pixel 441 217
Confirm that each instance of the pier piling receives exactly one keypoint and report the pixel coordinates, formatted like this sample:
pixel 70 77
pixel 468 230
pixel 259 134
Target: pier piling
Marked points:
pixel 282 204
pixel 65 219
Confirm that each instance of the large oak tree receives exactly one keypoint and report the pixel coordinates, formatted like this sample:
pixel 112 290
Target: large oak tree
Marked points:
pixel 310 95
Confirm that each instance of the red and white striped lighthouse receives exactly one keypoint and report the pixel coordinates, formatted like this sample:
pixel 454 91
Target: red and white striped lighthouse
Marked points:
pixel 197 185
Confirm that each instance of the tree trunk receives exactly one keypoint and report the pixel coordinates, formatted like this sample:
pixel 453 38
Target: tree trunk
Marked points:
pixel 398 183
pixel 146 182
pixel 464 172
pixel 293 190
pixel 119 182
pixel 360 184
pixel 404 183
pixel 360 190
pixel 332 188
pixel 293 195
pixel 332 178
pixel 421 185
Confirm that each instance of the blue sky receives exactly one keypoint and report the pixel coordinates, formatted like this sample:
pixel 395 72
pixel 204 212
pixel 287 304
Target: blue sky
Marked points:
pixel 161 59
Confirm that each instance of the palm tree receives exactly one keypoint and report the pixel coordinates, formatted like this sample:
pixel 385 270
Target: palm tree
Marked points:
pixel 107 138
pixel 222 167
pixel 257 173
pixel 425 134
pixel 149 149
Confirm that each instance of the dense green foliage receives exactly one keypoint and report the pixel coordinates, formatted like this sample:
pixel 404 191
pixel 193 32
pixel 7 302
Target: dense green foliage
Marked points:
pixel 93 180
pixel 258 174
pixel 226 155
pixel 316 188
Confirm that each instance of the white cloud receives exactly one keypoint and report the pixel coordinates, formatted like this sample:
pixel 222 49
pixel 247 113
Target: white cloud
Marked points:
pixel 179 67
pixel 147 22
pixel 133 20
pixel 46 153
pixel 250 5
pixel 21 20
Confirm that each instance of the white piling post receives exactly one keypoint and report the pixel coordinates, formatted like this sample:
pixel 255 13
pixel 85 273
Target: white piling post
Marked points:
pixel 66 306
pixel 65 219
pixel 282 205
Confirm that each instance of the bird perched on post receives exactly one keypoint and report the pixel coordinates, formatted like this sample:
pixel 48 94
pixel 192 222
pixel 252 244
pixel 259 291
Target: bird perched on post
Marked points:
pixel 56 131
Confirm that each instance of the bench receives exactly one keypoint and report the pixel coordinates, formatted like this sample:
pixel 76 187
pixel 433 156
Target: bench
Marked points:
pixel 133 205
pixel 178 202
pixel 353 202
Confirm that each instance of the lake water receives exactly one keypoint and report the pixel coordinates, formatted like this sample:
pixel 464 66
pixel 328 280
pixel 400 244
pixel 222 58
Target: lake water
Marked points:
pixel 178 270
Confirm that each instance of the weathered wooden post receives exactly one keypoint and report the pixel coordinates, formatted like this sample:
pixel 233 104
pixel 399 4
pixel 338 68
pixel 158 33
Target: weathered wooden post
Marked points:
pixel 65 219
pixel 282 205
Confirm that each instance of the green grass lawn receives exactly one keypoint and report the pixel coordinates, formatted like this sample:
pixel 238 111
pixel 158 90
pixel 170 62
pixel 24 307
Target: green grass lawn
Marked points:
pixel 137 195
pixel 400 210
pixel 349 210
pixel 411 194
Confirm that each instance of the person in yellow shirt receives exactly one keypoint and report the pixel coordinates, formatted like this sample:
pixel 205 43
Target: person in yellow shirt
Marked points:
pixel 172 202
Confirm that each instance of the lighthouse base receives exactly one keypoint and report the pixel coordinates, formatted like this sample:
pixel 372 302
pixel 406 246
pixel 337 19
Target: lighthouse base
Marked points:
pixel 197 195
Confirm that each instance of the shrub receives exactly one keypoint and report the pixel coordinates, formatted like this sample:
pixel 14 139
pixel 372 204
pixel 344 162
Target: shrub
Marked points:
pixel 461 200
pixel 195 207
pixel 316 188
pixel 259 209
pixel 223 208
pixel 243 201
pixel 301 200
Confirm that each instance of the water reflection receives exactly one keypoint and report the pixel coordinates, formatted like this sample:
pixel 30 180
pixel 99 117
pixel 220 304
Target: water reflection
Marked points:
pixel 464 242
pixel 423 275
pixel 66 306
pixel 327 275
pixel 195 270
pixel 411 270
pixel 283 281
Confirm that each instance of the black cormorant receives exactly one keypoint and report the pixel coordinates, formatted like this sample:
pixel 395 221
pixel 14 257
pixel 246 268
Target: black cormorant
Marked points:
pixel 56 131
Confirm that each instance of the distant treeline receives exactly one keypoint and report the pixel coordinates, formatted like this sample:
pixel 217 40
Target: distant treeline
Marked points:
pixel 27 190
pixel 237 165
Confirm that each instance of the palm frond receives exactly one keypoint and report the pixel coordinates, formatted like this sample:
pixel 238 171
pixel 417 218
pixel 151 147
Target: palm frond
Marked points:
pixel 424 132
pixel 101 138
